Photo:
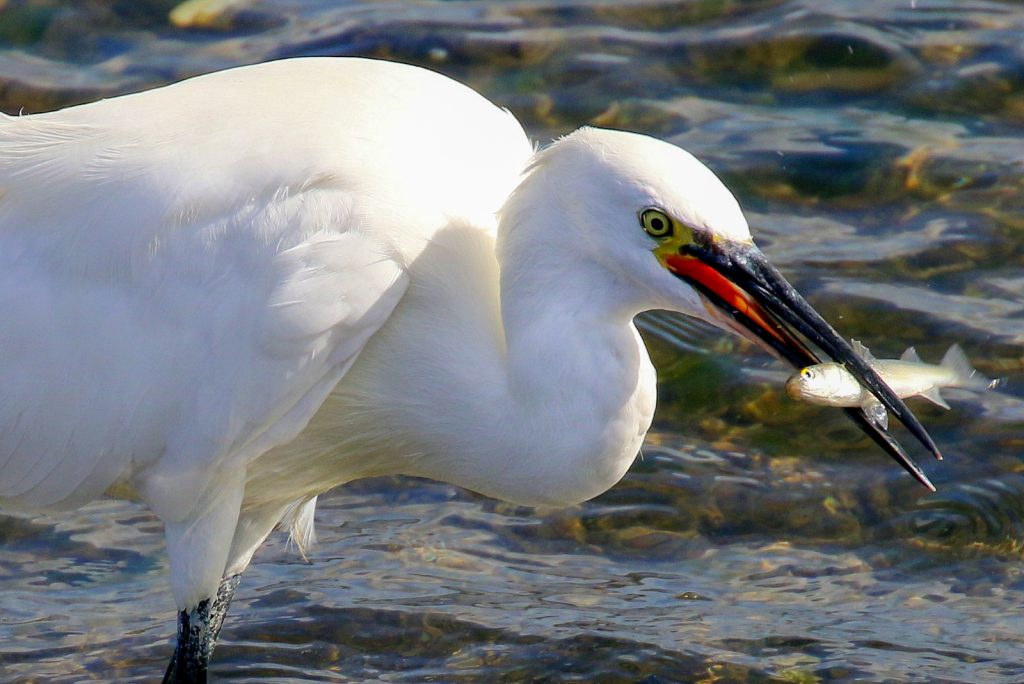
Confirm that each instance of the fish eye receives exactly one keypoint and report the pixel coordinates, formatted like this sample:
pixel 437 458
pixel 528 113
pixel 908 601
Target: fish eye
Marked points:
pixel 806 373
pixel 656 223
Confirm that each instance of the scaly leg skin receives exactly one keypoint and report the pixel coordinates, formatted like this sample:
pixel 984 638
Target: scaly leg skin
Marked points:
pixel 197 635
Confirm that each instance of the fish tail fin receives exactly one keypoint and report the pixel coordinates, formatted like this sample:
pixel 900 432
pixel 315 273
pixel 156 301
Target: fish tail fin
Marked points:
pixel 964 375
pixel 910 355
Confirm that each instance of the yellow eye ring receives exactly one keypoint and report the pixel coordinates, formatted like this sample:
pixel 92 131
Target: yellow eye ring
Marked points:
pixel 806 373
pixel 656 223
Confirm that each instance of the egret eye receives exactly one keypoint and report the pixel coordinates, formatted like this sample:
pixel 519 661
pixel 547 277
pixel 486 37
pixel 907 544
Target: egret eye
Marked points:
pixel 806 374
pixel 656 223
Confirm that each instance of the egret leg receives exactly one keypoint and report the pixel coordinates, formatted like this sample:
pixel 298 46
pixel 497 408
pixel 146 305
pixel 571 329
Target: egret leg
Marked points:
pixel 197 635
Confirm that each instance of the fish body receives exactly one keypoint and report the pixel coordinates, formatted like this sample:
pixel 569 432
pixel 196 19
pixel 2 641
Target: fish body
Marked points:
pixel 830 384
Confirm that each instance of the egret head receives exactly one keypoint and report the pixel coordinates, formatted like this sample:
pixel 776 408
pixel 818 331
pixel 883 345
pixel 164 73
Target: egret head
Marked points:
pixel 673 237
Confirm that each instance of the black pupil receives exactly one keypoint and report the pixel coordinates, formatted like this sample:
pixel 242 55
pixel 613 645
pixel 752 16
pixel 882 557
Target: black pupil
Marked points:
pixel 657 225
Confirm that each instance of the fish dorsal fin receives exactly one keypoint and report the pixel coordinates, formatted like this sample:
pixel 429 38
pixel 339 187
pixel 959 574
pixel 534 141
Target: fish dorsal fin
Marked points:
pixel 965 376
pixel 932 395
pixel 910 355
pixel 876 413
pixel 860 350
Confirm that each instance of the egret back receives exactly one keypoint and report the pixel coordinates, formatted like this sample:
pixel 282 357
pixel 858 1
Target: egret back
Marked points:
pixel 188 272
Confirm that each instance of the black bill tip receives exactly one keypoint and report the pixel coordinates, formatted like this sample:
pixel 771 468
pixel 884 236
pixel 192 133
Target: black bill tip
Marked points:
pixel 889 444
pixel 740 281
pixel 784 301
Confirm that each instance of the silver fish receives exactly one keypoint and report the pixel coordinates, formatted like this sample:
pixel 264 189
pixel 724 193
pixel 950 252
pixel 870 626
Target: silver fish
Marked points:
pixel 830 384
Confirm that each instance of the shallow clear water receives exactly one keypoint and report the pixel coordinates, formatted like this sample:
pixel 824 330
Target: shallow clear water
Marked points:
pixel 876 148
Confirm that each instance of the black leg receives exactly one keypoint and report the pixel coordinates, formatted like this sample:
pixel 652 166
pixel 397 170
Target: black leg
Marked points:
pixel 197 635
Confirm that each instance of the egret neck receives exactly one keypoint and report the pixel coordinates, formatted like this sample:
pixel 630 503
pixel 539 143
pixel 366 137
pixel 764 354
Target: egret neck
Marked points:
pixel 578 373
pixel 581 379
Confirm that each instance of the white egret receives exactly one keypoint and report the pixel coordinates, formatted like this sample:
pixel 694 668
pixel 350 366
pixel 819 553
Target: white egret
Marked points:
pixel 226 296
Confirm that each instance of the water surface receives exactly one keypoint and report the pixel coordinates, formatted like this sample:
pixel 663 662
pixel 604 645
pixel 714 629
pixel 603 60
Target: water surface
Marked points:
pixel 876 148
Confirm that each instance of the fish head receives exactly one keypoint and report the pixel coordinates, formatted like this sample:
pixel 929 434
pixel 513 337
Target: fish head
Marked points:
pixel 825 384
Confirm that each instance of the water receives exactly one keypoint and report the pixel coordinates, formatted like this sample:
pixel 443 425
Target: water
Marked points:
pixel 876 150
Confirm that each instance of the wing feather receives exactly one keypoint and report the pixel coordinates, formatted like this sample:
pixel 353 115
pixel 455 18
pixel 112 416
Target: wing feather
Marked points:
pixel 217 346
pixel 186 273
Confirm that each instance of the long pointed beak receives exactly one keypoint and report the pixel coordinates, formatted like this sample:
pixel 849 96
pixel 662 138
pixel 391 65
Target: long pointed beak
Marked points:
pixel 747 293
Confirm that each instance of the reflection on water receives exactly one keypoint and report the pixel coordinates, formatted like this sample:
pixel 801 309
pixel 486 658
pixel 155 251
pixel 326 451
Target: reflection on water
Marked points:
pixel 876 150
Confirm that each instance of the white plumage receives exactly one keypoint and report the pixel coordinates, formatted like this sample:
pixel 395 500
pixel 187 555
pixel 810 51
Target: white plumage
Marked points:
pixel 186 273
pixel 228 295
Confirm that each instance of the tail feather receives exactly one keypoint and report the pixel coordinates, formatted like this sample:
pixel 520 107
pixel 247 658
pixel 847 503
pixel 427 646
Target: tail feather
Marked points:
pixel 299 519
